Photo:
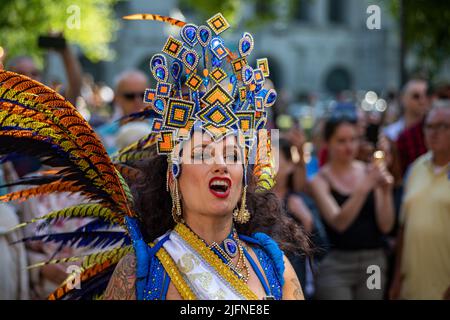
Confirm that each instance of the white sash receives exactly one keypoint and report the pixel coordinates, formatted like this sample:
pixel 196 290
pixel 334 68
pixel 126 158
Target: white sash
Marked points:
pixel 202 278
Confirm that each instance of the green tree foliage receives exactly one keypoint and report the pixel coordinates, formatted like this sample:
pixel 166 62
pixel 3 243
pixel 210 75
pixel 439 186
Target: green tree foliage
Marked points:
pixel 204 9
pixel 427 30
pixel 23 21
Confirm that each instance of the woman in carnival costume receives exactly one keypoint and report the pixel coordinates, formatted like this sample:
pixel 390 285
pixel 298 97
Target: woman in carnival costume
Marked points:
pixel 199 221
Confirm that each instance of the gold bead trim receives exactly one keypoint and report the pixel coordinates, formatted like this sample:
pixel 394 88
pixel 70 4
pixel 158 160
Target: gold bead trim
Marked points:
pixel 175 276
pixel 211 258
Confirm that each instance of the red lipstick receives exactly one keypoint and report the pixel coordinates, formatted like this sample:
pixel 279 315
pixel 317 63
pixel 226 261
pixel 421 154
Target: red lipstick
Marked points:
pixel 220 186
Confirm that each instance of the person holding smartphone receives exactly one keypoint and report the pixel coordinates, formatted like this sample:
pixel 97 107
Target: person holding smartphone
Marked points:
pixel 356 205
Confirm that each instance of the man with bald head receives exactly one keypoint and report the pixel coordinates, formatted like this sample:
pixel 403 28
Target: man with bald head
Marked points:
pixel 129 88
pixel 129 92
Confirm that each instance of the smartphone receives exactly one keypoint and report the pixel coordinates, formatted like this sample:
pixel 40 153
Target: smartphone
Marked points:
pixel 51 42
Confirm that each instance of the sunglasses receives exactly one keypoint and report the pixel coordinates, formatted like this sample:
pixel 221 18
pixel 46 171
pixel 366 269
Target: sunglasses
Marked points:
pixel 133 95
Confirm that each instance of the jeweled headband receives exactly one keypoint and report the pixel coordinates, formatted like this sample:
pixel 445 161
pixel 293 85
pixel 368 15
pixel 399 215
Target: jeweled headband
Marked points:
pixel 202 83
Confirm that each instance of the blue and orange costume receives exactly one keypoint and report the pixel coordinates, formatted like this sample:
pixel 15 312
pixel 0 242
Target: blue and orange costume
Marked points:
pixel 200 83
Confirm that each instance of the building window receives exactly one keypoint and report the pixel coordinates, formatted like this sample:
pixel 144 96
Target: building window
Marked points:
pixel 337 11
pixel 303 10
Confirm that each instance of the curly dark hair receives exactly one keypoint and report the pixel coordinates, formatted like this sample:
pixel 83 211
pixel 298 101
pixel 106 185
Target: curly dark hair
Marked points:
pixel 153 203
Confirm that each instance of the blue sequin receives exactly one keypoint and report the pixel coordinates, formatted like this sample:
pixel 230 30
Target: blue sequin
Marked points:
pixel 159 104
pixel 271 275
pixel 176 70
pixel 248 74
pixel 272 97
pixel 231 247
pixel 190 33
pixel 245 46
pixel 160 73
pixel 204 35
pixel 190 58
pixel 155 281
pixel 156 62
pixel 175 169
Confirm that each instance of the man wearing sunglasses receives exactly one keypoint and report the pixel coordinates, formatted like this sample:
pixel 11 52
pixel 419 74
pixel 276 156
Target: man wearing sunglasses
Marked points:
pixel 415 105
pixel 129 91
pixel 411 142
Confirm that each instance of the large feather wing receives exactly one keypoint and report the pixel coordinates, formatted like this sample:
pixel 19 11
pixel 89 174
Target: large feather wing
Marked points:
pixel 37 121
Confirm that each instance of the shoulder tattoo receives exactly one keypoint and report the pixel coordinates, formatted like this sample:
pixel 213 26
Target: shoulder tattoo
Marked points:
pixel 297 289
pixel 122 283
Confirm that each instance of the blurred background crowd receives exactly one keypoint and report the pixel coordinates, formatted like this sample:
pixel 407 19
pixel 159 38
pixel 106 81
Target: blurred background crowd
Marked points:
pixel 364 116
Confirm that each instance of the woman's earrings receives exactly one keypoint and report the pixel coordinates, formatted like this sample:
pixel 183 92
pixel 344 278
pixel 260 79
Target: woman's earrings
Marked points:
pixel 176 203
pixel 174 167
pixel 242 215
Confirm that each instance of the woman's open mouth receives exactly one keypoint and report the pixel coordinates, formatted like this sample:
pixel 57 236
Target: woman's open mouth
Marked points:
pixel 220 187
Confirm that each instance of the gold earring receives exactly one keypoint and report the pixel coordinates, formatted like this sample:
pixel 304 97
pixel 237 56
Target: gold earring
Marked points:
pixel 176 204
pixel 242 215
pixel 167 180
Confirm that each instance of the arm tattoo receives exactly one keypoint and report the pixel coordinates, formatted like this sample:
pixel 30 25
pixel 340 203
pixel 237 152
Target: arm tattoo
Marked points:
pixel 298 293
pixel 122 283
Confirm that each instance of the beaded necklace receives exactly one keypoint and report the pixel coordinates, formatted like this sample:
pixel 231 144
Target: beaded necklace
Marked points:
pixel 229 249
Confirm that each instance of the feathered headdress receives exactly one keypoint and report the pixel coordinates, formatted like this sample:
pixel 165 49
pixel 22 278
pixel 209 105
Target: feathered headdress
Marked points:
pixel 202 84
pixel 228 95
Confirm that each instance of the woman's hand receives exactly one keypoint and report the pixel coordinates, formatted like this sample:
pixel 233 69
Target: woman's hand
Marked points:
pixel 373 178
pixel 377 176
pixel 387 180
pixel 384 145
